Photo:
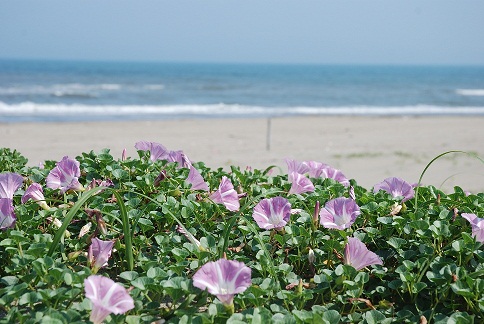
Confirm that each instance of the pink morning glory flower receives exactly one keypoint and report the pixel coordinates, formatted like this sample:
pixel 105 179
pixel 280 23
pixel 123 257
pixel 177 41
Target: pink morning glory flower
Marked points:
pixel 9 183
pixel 477 226
pixel 300 183
pixel 196 180
pixel 223 278
pixel 107 297
pixel 317 170
pixel 65 176
pixel 7 215
pixel 36 193
pixel 157 151
pixel 397 187
pixel 189 236
pixel 99 253
pixel 339 213
pixel 335 174
pixel 180 158
pixel 358 256
pixel 226 195
pixel 272 213
pixel 296 166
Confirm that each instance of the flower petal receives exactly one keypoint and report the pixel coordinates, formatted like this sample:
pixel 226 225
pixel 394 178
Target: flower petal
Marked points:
pixel 272 213
pixel 226 195
pixel 9 183
pixel 223 278
pixel 358 256
pixel 106 297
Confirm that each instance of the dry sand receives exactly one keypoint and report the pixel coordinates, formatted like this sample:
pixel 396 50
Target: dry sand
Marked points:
pixel 367 149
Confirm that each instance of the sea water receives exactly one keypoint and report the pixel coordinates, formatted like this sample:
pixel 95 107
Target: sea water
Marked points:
pixel 83 91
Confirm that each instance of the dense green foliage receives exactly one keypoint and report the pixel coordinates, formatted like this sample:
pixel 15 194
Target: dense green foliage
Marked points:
pixel 432 265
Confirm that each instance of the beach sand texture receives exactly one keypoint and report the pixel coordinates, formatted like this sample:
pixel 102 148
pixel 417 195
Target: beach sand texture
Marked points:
pixel 367 149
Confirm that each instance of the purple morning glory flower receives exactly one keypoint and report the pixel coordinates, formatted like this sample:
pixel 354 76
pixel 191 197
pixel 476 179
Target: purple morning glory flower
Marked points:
pixel 397 187
pixel 296 166
pixel 316 170
pixel 180 158
pixel 358 256
pixel 196 180
pixel 339 213
pixel 272 213
pixel 477 225
pixel 226 195
pixel 106 297
pixel 7 215
pixel 300 183
pixel 223 278
pixel 157 151
pixel 99 253
pixel 335 174
pixel 65 176
pixel 9 183
pixel 36 193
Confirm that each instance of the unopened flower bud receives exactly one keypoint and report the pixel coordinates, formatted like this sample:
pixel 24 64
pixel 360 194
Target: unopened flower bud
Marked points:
pixel 299 288
pixel 311 256
pixel 85 229
pixel 73 255
pixel 396 208
pixel 317 208
pixel 159 178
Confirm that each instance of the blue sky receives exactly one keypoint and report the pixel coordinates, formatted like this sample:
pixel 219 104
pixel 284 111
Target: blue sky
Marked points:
pixel 278 31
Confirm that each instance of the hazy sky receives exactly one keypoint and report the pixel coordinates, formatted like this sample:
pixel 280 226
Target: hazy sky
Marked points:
pixel 279 31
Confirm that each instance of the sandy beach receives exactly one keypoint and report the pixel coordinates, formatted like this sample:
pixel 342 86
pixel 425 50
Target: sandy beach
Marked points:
pixel 367 149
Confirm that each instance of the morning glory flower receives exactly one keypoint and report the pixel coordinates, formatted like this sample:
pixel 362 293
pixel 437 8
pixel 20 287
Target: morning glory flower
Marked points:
pixel 477 226
pixel 106 297
pixel 300 184
pixel 36 193
pixel 296 166
pixel 223 278
pixel 335 174
pixel 397 187
pixel 196 180
pixel 272 213
pixel 339 213
pixel 157 151
pixel 358 256
pixel 7 215
pixel 180 158
pixel 189 236
pixel 65 176
pixel 99 253
pixel 226 195
pixel 9 183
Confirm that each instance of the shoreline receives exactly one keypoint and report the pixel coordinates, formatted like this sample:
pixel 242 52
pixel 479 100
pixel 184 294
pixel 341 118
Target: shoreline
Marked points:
pixel 365 148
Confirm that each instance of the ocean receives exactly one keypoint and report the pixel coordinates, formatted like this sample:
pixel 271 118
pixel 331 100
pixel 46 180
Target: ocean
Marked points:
pixel 39 91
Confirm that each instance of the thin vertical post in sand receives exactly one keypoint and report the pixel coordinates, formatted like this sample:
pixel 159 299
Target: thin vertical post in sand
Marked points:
pixel 268 135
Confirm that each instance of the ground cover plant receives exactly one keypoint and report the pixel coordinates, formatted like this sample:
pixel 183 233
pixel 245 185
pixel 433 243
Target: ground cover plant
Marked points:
pixel 158 238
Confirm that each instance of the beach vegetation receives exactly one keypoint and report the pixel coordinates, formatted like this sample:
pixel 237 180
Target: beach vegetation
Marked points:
pixel 158 238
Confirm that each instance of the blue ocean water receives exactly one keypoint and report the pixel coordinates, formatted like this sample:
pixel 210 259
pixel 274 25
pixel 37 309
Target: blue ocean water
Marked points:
pixel 68 91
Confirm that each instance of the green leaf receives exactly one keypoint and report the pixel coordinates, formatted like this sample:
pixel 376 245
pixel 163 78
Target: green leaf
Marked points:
pixel 396 242
pixel 460 288
pixel 129 275
pixel 374 317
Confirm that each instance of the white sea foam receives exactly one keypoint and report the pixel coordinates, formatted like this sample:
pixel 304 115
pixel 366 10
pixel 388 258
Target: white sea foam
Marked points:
pixel 470 92
pixel 48 111
pixel 154 86
pixel 59 89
